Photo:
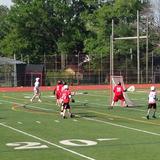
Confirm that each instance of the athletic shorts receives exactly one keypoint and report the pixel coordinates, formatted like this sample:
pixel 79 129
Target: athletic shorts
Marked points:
pixel 66 106
pixel 118 97
pixel 36 91
pixel 152 105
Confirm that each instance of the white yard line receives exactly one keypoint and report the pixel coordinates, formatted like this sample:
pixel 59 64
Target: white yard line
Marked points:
pixel 122 126
pixel 45 141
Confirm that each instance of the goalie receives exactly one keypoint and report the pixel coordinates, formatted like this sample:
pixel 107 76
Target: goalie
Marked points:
pixel 118 95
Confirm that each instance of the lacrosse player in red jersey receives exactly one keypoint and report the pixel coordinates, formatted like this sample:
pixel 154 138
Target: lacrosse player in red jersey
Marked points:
pixel 58 92
pixel 118 95
pixel 152 98
pixel 66 97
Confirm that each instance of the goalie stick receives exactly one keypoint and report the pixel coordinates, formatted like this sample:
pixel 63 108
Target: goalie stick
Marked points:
pixel 131 89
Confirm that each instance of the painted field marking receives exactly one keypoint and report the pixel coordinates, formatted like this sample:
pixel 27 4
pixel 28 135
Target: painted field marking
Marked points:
pixel 57 121
pixel 144 117
pixel 107 139
pixel 38 122
pixel 45 141
pixel 23 100
pixel 26 145
pixel 19 122
pixel 27 97
pixel 110 119
pixel 71 142
pixel 96 112
pixel 99 104
pixel 122 126
pixel 113 116
pixel 21 104
pixel 121 117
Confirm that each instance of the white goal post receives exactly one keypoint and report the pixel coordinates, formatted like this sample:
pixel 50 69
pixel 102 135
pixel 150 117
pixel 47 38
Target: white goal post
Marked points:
pixel 113 81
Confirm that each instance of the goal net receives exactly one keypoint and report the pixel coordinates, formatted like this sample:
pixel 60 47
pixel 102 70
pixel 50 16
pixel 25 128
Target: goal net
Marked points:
pixel 113 81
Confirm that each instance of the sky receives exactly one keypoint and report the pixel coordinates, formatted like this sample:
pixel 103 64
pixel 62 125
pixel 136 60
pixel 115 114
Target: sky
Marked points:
pixel 6 2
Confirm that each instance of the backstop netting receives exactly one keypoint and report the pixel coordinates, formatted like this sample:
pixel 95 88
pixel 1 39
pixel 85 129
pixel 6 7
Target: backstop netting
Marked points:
pixel 113 81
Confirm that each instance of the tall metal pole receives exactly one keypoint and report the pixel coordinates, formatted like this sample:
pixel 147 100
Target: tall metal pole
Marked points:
pixel 152 68
pixel 15 72
pixel 138 52
pixel 110 55
pixel 78 70
pixel 112 49
pixel 45 69
pixel 22 57
pixel 101 69
pixel 28 59
pixel 56 61
pixel 147 50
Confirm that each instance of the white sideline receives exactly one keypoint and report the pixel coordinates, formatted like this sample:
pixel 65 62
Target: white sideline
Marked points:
pixel 45 141
pixel 118 125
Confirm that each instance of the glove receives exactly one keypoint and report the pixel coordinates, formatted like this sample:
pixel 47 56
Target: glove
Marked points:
pixel 72 100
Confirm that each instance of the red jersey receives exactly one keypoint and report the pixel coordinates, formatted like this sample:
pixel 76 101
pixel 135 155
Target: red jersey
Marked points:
pixel 118 90
pixel 66 96
pixel 58 90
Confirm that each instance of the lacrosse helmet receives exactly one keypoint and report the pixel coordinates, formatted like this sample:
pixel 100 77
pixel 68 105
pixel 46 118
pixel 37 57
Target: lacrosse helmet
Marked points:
pixel 37 79
pixel 65 87
pixel 59 82
pixel 119 83
pixel 153 88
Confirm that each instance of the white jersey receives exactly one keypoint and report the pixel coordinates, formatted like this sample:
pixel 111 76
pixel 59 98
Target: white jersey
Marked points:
pixel 36 85
pixel 152 97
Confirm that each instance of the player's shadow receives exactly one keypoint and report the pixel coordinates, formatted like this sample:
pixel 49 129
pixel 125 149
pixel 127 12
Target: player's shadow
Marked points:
pixel 2 118
pixel 82 114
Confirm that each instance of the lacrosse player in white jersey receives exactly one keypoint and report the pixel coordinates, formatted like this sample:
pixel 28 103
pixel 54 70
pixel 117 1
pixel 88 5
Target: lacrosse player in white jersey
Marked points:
pixel 152 98
pixel 36 90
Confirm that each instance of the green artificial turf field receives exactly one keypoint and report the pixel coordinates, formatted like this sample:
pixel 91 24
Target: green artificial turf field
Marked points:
pixel 36 131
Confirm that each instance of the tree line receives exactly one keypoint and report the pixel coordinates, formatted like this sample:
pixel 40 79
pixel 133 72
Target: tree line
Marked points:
pixel 37 27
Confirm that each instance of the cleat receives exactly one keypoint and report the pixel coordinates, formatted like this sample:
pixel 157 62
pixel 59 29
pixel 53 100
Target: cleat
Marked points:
pixel 39 100
pixel 147 116
pixel 111 107
pixel 31 100
pixel 154 116
pixel 64 117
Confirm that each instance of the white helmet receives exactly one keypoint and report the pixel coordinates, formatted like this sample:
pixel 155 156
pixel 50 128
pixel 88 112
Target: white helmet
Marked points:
pixel 65 87
pixel 37 79
pixel 153 88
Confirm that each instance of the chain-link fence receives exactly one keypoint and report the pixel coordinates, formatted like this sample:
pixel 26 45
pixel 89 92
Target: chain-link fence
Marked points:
pixel 82 69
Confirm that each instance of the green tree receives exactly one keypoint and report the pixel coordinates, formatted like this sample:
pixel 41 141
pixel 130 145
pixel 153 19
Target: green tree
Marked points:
pixel 98 23
pixel 44 27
